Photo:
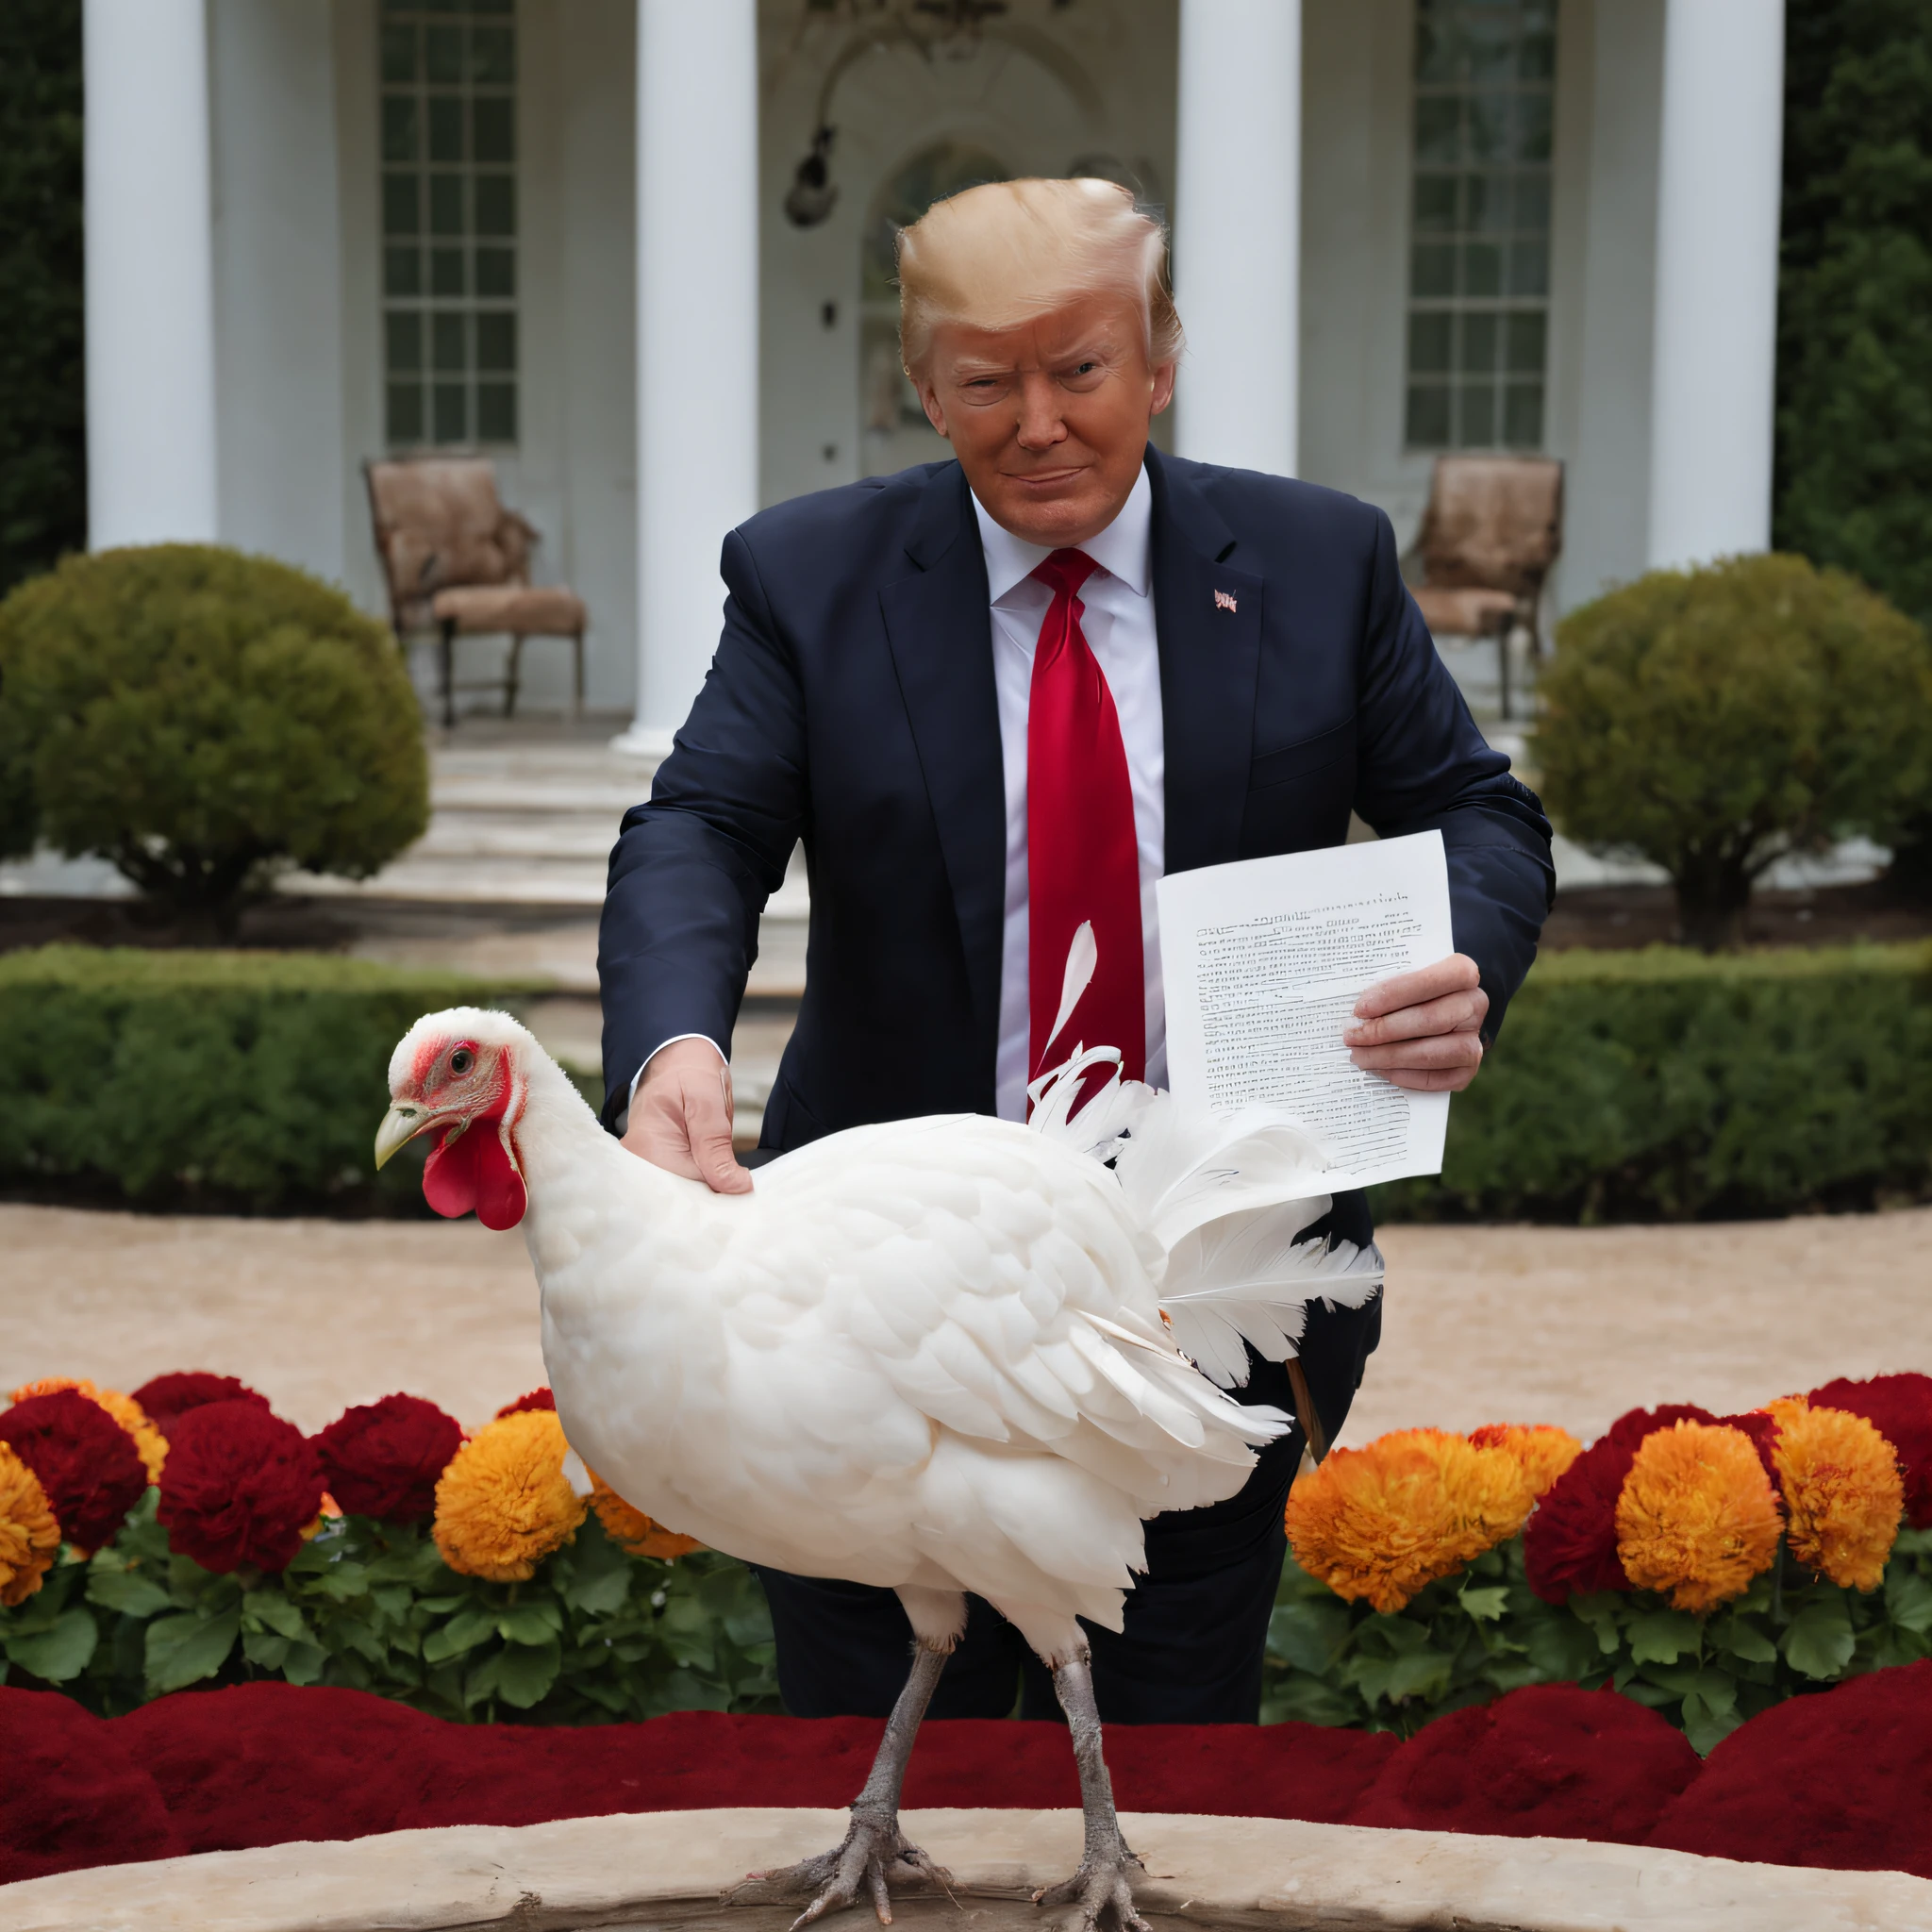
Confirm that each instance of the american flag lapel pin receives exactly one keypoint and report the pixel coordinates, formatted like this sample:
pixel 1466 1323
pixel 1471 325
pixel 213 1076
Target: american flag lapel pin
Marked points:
pixel 1224 600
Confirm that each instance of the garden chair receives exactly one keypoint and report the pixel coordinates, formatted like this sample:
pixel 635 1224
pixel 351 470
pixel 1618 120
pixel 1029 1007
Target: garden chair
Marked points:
pixel 458 565
pixel 1491 530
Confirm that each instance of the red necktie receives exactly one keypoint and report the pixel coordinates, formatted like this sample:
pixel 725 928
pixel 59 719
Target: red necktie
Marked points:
pixel 1083 860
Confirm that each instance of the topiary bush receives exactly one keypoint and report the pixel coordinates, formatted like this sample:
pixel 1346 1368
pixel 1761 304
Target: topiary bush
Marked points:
pixel 202 719
pixel 1715 720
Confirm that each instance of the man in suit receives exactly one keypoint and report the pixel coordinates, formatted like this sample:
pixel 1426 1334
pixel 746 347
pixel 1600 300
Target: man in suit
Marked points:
pixel 999 697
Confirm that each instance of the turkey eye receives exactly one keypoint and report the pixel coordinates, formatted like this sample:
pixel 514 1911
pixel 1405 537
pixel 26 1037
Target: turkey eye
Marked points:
pixel 461 1061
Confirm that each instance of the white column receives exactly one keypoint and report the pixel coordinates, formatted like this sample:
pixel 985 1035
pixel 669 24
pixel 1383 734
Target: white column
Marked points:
pixel 150 274
pixel 697 263
pixel 1714 339
pixel 1238 231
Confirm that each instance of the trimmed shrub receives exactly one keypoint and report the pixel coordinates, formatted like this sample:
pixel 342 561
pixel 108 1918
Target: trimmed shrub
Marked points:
pixel 1661 1086
pixel 202 719
pixel 1715 720
pixel 240 1080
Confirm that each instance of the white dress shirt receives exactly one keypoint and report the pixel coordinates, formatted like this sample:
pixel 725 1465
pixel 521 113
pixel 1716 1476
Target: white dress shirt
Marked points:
pixel 1118 622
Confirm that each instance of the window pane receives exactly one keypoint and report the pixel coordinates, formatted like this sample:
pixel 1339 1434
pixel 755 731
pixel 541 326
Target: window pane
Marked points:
pixel 446 272
pixel 496 272
pixel 1428 341
pixel 1488 202
pixel 403 333
pixel 1536 57
pixel 445 204
pixel 402 272
pixel 445 127
pixel 1533 128
pixel 450 337
pixel 1524 426
pixel 1529 268
pixel 496 205
pixel 1491 48
pixel 1436 121
pixel 497 341
pixel 1482 268
pixel 399 198
pixel 399 54
pixel 1437 58
pixel 442 52
pixel 494 56
pixel 494 129
pixel 1526 342
pixel 1479 417
pixel 1433 269
pixel 496 412
pixel 1489 122
pixel 452 413
pixel 404 412
pixel 1478 344
pixel 1429 416
pixel 399 127
pixel 1435 202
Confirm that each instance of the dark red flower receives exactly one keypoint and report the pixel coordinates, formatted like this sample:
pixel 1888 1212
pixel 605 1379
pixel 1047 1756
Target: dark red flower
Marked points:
pixel 168 1398
pixel 382 1458
pixel 241 1485
pixel 1900 1409
pixel 1761 1426
pixel 536 1398
pixel 1630 1428
pixel 85 1460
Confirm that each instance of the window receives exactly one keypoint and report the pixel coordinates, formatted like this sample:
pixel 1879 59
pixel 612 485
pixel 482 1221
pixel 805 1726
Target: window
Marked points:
pixel 1479 257
pixel 449 221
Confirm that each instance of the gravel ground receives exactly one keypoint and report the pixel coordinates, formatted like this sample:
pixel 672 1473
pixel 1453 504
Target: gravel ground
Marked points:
pixel 1569 1325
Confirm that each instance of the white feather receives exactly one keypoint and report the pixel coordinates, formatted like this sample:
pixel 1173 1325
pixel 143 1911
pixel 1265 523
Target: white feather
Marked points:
pixel 1083 956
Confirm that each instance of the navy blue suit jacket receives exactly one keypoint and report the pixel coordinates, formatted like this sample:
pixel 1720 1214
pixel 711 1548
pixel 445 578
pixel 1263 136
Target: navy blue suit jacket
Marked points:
pixel 851 704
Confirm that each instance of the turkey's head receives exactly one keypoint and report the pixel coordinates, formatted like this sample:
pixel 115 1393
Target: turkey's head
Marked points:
pixel 456 1074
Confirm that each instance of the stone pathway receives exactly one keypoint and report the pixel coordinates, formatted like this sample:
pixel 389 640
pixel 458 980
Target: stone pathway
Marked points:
pixel 1570 1325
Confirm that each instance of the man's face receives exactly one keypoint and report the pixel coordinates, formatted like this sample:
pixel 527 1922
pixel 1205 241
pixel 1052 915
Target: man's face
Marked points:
pixel 1049 420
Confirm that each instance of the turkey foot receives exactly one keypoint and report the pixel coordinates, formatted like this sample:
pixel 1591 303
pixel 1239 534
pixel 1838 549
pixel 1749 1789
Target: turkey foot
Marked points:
pixel 874 1849
pixel 1100 1888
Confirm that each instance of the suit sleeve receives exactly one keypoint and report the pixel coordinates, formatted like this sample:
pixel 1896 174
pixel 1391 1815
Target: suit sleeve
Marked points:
pixel 693 869
pixel 1423 763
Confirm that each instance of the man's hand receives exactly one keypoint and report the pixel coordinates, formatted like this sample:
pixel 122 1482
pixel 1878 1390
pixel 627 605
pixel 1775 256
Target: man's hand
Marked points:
pixel 1421 1029
pixel 680 1117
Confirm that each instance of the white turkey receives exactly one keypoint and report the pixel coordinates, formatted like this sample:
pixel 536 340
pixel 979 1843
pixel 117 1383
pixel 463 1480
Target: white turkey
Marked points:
pixel 943 1355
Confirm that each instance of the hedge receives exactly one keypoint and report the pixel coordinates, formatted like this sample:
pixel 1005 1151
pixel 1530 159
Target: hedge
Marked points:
pixel 1660 1085
pixel 233 1080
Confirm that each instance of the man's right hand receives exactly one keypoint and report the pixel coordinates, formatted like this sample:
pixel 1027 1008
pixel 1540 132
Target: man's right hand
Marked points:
pixel 680 1117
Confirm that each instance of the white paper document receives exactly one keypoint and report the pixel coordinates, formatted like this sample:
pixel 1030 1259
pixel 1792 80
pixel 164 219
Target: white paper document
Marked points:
pixel 1263 963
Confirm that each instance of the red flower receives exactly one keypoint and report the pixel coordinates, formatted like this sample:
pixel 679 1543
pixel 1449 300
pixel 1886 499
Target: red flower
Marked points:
pixel 168 1398
pixel 241 1485
pixel 1761 1426
pixel 1900 1409
pixel 1570 1543
pixel 536 1398
pixel 382 1458
pixel 86 1462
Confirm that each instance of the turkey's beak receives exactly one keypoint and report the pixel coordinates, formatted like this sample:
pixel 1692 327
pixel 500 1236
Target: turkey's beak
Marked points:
pixel 400 1124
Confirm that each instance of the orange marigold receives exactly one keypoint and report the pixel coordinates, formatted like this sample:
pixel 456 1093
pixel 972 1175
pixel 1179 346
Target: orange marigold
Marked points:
pixel 1843 1489
pixel 1543 1451
pixel 631 1530
pixel 149 1443
pixel 503 1503
pixel 1417 1504
pixel 29 1536
pixel 1696 1516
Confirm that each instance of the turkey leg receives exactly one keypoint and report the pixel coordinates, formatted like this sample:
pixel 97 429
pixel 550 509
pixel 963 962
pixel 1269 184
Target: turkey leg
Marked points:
pixel 1100 1887
pixel 874 1847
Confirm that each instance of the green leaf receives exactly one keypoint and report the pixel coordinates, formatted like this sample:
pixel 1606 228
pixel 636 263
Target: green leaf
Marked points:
pixel 1308 1635
pixel 117 1587
pixel 305 1663
pixel 1484 1605
pixel 1563 1650
pixel 600 1573
pixel 1598 1613
pixel 1734 1637
pixel 529 1623
pixel 184 1649
pixel 1819 1640
pixel 274 1611
pixel 1423 1674
pixel 464 1631
pixel 1710 1716
pixel 60 1653
pixel 1662 1637
pixel 520 1673
pixel 1907 1599
pixel 1302 1699
pixel 264 1649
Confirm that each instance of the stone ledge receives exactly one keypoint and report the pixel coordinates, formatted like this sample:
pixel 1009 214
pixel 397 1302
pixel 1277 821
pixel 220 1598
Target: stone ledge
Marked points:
pixel 659 1870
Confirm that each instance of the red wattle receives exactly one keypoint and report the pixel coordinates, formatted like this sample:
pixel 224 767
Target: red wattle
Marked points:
pixel 473 1170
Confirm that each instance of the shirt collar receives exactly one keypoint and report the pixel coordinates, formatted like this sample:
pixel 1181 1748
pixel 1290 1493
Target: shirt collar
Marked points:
pixel 1120 549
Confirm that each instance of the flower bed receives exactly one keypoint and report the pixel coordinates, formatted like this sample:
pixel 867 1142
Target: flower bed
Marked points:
pixel 1706 1567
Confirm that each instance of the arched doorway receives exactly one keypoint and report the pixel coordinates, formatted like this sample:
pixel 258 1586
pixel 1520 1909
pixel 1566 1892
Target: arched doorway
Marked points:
pixel 892 430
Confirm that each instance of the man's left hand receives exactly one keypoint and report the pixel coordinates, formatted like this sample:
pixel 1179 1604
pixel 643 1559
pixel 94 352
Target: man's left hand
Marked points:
pixel 1423 1029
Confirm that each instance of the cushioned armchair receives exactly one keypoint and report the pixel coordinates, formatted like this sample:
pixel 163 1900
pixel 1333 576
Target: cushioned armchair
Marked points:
pixel 1492 528
pixel 458 565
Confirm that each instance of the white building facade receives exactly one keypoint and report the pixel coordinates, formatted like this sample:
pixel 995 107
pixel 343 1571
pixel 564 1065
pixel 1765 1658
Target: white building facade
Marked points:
pixel 594 240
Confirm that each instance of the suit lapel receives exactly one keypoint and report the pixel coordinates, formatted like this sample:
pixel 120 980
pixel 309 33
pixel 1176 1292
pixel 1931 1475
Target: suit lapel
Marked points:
pixel 1209 657
pixel 939 625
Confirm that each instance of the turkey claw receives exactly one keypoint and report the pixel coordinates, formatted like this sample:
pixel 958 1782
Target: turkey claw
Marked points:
pixel 872 1851
pixel 1101 1893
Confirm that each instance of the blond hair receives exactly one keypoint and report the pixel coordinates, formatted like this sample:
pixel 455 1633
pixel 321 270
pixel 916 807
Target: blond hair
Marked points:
pixel 996 256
